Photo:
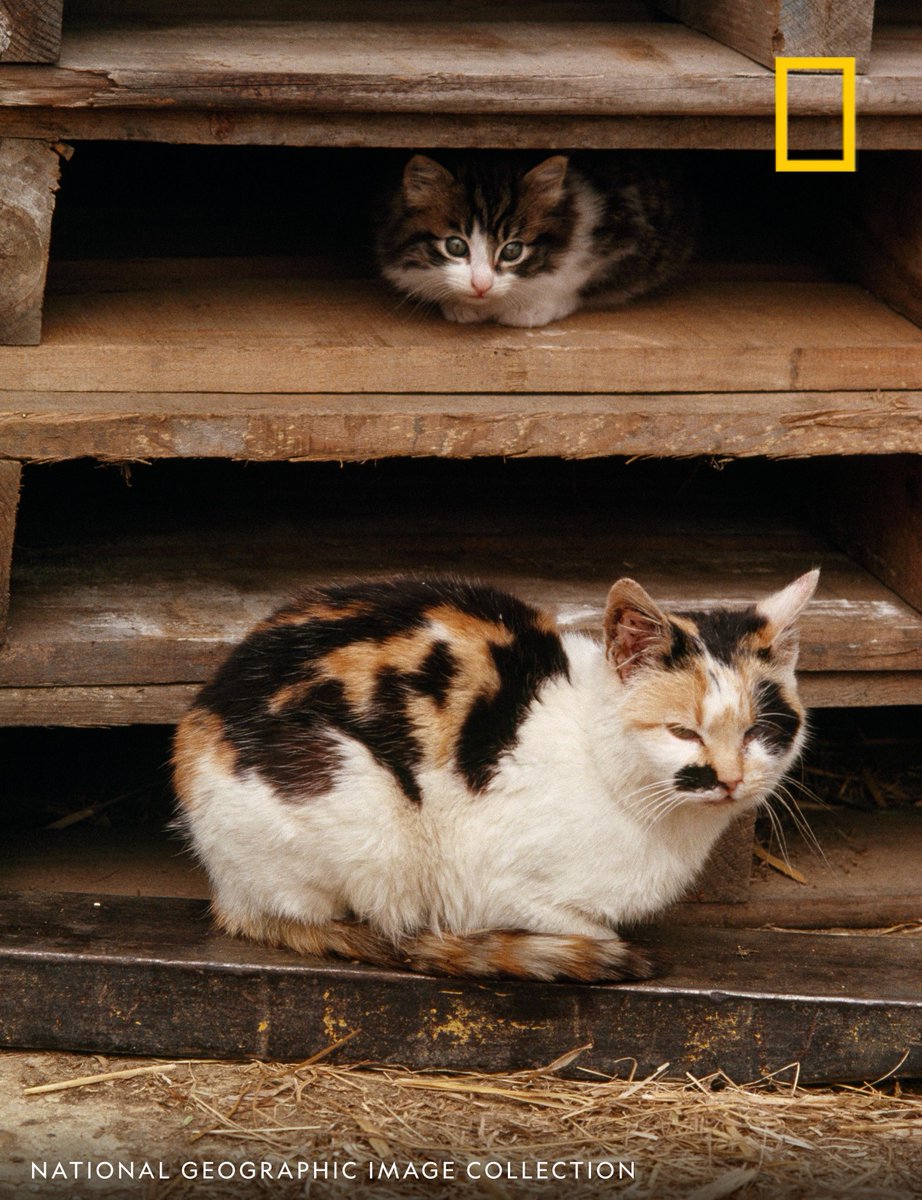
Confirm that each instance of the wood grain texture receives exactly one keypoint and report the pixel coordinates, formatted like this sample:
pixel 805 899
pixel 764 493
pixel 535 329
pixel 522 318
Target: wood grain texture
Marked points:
pixel 165 609
pixel 585 68
pixel 764 29
pixel 726 875
pixel 10 479
pixel 136 963
pixel 296 335
pixel 231 126
pixel 30 30
pixel 122 426
pixel 28 182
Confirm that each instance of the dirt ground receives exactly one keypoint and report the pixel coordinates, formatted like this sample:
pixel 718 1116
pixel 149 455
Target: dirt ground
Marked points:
pixel 174 1129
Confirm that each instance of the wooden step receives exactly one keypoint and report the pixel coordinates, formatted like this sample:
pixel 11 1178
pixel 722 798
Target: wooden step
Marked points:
pixel 219 333
pixel 143 976
pixel 377 80
pixel 100 618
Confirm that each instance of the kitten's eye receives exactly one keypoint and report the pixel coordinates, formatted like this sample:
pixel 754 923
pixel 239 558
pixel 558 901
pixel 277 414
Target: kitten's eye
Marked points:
pixel 456 247
pixel 512 251
pixel 687 735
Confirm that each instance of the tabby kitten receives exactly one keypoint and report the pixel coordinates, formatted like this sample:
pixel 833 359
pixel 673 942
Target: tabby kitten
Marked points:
pixel 494 241
pixel 429 774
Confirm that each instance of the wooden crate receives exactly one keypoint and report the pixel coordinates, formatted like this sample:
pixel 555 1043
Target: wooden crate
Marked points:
pixel 277 360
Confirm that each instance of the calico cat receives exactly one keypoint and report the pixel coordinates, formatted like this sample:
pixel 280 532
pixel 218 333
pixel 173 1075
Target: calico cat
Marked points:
pixel 493 241
pixel 428 774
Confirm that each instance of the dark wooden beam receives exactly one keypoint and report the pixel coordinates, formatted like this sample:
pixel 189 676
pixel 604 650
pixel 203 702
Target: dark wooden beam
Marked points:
pixel 766 29
pixel 150 976
pixel 10 478
pixel 28 182
pixel 30 30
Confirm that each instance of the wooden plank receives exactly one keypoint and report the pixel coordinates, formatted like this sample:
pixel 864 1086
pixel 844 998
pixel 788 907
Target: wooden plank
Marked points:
pixel 586 68
pixel 175 604
pixel 143 976
pixel 10 479
pixel 764 29
pixel 28 182
pixel 515 131
pixel 30 30
pixel 291 335
pixel 726 875
pixel 121 426
pixel 868 877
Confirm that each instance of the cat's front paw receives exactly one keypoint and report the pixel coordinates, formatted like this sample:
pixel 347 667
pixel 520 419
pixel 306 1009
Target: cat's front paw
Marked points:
pixel 536 315
pixel 464 314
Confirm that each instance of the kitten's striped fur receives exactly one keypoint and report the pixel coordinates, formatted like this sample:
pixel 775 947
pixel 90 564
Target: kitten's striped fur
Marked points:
pixel 597 230
pixel 429 774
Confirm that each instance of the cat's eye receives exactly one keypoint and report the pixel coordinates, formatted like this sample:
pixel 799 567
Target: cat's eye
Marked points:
pixel 456 247
pixel 687 735
pixel 512 251
pixel 752 732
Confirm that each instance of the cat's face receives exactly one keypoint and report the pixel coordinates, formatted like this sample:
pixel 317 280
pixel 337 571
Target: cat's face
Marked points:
pixel 472 238
pixel 710 698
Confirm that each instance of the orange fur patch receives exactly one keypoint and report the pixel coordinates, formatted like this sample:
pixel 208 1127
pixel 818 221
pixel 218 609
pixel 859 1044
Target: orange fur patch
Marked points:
pixel 199 734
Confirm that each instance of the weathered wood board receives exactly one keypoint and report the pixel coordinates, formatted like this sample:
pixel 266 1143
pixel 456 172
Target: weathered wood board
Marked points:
pixel 28 181
pixel 30 30
pixel 165 609
pixel 298 335
pixel 765 29
pixel 600 68
pixel 145 976
pixel 10 477
pixel 121 426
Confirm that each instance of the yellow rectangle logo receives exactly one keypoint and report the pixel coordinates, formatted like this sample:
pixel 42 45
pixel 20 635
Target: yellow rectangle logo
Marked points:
pixel 846 67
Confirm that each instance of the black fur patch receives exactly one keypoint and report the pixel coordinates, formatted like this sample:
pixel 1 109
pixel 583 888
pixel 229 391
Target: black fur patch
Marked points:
pixel 435 676
pixel 696 779
pixel 777 722
pixel 724 631
pixel 533 658
pixel 293 746
pixel 681 649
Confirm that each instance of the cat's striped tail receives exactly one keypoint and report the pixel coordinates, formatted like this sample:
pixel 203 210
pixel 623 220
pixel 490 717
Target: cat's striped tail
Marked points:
pixel 488 954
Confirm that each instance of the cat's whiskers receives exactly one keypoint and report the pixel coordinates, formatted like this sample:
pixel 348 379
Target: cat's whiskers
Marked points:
pixel 783 794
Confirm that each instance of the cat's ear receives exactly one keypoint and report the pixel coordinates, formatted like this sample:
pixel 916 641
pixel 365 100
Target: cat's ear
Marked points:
pixel 544 183
pixel 637 632
pixel 781 611
pixel 423 180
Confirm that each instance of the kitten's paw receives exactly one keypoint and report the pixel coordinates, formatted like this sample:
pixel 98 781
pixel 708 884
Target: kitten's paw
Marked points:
pixel 539 314
pixel 464 314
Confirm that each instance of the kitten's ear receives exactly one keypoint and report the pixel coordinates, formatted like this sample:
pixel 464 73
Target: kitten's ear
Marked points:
pixel 781 611
pixel 543 184
pixel 423 179
pixel 637 632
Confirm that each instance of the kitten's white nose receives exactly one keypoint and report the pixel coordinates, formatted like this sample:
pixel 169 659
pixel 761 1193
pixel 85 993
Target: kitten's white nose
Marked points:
pixel 481 282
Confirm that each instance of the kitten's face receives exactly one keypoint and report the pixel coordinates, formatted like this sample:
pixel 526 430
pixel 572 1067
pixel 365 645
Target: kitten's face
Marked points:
pixel 711 698
pixel 472 238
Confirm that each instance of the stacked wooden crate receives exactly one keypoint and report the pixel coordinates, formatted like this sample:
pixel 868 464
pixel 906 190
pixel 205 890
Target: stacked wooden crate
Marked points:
pixel 261 360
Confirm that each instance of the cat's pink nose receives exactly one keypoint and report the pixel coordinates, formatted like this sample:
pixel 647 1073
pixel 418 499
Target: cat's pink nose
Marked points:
pixel 731 785
pixel 481 284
